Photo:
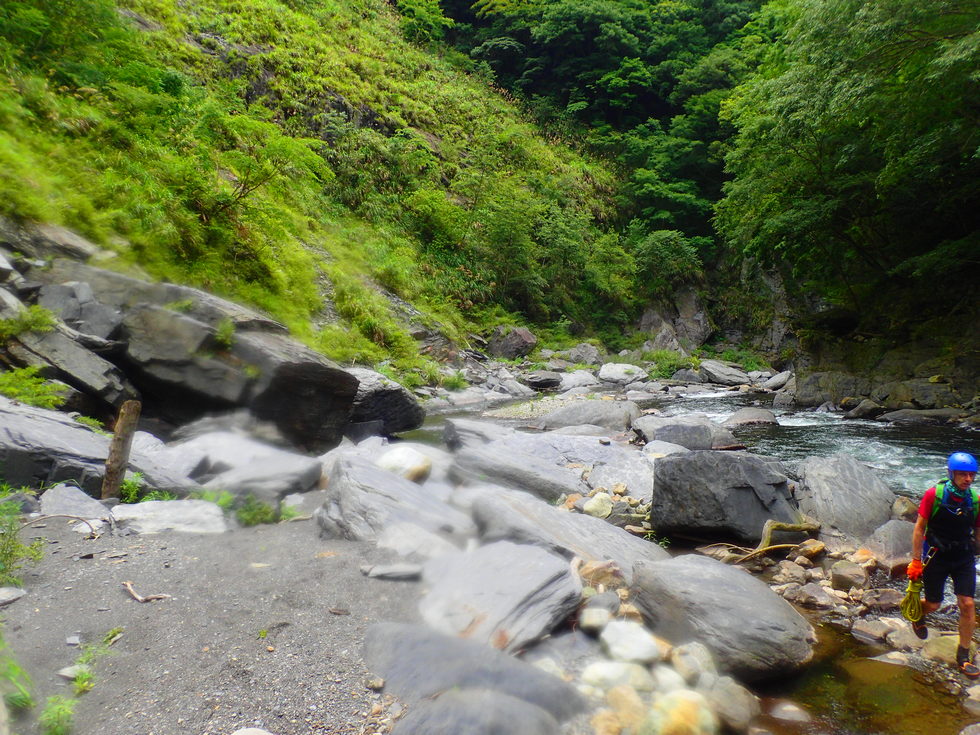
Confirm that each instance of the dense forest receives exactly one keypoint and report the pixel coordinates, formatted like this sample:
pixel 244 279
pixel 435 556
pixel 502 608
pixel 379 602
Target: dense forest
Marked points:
pixel 562 163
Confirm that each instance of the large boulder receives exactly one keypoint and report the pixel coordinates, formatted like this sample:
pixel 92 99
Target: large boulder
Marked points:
pixel 511 342
pixel 750 416
pixel 124 292
pixel 503 594
pixel 891 544
pixel 614 415
pixel 307 396
pixel 753 633
pixel 621 373
pixel 584 354
pixel 692 431
pixel 74 303
pixel 382 400
pixel 705 492
pixel 39 447
pixel 721 373
pixel 846 497
pixel 503 515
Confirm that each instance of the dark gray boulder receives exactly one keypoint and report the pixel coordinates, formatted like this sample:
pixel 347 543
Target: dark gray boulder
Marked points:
pixel 308 397
pixel 418 664
pixel 924 416
pixel 732 494
pixel 177 360
pixel 847 498
pixel 866 409
pixel 752 632
pixel 507 515
pixel 44 241
pixel 503 594
pixel 124 292
pixel 39 447
pixel 540 380
pixel 614 415
pixel 383 400
pixel 74 303
pixel 63 358
pixel 363 501
pixel 691 431
pixel 511 342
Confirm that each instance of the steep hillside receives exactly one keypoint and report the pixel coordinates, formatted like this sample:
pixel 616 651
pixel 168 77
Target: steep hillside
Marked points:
pixel 284 152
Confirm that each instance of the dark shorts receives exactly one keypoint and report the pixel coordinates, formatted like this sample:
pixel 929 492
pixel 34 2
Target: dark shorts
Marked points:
pixel 961 567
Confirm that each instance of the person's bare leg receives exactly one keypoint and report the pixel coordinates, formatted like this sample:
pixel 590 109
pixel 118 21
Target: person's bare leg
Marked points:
pixel 968 619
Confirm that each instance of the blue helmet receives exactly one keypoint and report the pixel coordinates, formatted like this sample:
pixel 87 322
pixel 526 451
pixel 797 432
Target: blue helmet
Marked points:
pixel 962 462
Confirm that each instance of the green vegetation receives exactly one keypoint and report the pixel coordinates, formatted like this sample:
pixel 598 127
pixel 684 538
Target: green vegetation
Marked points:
pixel 131 487
pixel 252 512
pixel 158 495
pixel 14 553
pixel 666 362
pixel 33 319
pixel 224 335
pixel 94 424
pixel 15 684
pixel 26 386
pixel 560 163
pixel 58 715
pixel 222 498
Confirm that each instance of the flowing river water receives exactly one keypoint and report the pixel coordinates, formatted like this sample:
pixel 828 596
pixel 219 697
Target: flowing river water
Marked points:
pixel 845 691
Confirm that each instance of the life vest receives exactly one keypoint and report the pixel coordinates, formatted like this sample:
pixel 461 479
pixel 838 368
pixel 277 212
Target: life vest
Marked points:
pixel 951 523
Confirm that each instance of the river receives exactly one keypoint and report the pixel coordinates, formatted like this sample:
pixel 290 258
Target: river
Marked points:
pixel 845 691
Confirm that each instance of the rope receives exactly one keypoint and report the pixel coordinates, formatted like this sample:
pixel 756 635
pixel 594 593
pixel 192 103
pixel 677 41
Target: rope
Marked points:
pixel 911 604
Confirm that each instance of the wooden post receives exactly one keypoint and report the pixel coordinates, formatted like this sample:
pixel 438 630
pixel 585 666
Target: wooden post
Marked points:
pixel 122 441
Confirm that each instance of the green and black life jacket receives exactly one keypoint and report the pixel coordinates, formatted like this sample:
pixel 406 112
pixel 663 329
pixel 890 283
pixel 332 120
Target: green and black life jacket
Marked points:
pixel 951 524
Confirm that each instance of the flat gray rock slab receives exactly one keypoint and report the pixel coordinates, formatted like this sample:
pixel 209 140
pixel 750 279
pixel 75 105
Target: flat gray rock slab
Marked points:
pixel 752 632
pixel 363 502
pixel 477 712
pixel 507 515
pixel 614 415
pixel 848 498
pixel 458 432
pixel 10 595
pixel 516 469
pixel 271 479
pixel 715 371
pixel 181 516
pixel 418 663
pixel 70 500
pixel 503 594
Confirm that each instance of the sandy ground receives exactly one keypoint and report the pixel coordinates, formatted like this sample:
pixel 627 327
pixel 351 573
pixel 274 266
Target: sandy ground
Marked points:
pixel 263 628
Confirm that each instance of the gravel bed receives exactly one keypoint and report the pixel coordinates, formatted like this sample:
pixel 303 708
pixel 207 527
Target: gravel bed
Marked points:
pixel 263 627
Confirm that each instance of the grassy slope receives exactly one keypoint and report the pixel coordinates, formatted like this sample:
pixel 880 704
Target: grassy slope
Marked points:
pixel 252 147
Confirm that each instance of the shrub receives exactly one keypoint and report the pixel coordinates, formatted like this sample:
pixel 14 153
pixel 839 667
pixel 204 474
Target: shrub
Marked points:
pixel 129 489
pixel 33 319
pixel 26 386
pixel 13 552
pixel 252 512
pixel 667 362
pixel 58 716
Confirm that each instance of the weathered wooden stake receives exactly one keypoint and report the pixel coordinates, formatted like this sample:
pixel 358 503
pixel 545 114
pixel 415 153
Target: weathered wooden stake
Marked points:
pixel 122 441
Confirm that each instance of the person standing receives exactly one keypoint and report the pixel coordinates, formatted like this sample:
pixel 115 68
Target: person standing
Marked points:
pixel 945 540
